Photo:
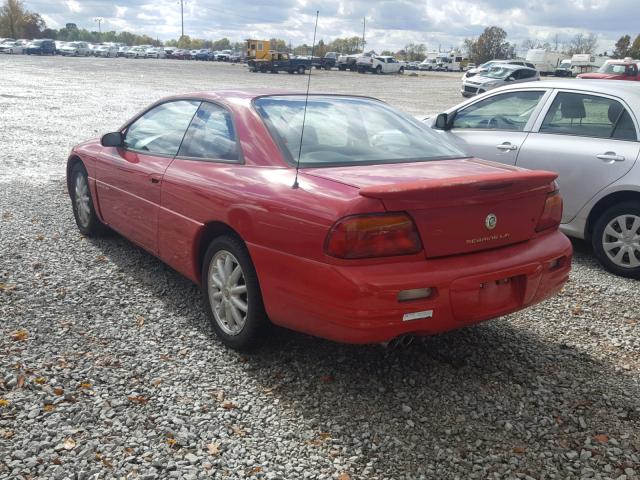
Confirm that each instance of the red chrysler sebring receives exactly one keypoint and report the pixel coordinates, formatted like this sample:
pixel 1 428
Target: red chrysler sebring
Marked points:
pixel 385 230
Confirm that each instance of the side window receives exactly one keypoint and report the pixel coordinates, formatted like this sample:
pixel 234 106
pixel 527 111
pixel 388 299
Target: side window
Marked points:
pixel 508 111
pixel 526 74
pixel 160 130
pixel 211 135
pixel 588 116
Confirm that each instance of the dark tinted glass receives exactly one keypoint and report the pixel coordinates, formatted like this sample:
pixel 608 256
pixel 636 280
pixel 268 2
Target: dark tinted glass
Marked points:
pixel 211 135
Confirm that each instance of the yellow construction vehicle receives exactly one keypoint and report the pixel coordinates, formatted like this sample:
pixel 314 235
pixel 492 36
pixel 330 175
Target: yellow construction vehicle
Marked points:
pixel 258 49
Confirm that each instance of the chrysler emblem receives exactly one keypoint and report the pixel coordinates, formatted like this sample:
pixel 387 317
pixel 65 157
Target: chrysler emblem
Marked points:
pixel 491 221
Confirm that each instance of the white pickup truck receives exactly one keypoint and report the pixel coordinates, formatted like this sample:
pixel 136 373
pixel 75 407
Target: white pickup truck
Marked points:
pixel 379 64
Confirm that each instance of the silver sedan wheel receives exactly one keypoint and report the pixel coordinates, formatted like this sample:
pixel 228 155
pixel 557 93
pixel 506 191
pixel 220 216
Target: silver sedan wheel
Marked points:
pixel 621 241
pixel 83 201
pixel 228 292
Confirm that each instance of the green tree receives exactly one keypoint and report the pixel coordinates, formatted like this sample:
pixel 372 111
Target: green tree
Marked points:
pixel 491 44
pixel 415 52
pixel 622 47
pixel 17 22
pixel 634 50
pixel 222 44
pixel 33 25
pixel 278 45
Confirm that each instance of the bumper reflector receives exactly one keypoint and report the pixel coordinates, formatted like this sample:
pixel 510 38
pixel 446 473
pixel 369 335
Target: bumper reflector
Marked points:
pixel 414 294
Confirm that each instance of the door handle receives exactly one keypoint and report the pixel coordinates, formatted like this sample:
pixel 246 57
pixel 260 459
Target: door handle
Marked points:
pixel 155 178
pixel 506 146
pixel 610 157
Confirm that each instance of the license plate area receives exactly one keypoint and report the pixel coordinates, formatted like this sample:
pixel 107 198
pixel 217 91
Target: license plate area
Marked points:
pixel 481 298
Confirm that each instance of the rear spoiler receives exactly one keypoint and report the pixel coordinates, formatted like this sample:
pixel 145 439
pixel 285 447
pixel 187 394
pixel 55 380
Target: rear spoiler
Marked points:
pixel 463 188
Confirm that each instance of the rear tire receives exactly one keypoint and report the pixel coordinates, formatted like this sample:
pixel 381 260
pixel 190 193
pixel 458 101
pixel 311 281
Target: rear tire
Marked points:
pixel 83 210
pixel 301 70
pixel 616 239
pixel 232 294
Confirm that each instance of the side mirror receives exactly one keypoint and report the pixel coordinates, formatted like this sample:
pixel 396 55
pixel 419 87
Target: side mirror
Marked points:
pixel 510 79
pixel 442 121
pixel 113 139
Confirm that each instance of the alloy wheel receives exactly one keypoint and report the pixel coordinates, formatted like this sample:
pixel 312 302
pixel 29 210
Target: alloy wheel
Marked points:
pixel 227 291
pixel 82 199
pixel 621 241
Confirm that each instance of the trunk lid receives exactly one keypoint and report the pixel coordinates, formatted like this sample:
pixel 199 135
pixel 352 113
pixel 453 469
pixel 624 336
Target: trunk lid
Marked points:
pixel 459 206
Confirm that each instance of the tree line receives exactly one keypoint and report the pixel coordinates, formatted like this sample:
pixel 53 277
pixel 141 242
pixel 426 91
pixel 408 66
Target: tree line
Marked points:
pixel 625 48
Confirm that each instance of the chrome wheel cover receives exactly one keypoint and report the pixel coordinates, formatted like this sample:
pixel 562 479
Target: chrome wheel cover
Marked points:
pixel 227 292
pixel 621 241
pixel 82 200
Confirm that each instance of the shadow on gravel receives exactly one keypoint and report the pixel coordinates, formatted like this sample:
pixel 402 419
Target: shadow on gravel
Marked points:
pixel 496 384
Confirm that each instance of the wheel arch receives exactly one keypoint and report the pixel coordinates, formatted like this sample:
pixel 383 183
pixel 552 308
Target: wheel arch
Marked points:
pixel 208 233
pixel 605 203
pixel 73 160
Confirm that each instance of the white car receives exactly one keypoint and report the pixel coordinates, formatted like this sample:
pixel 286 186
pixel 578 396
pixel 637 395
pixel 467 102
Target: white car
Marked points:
pixel 11 48
pixel 586 131
pixel 106 51
pixel 473 70
pixel 502 74
pixel 75 49
pixel 379 64
pixel 155 52
pixel 136 52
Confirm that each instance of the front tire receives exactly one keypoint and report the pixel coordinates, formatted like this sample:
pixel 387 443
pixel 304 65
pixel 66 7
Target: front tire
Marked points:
pixel 232 294
pixel 301 70
pixel 616 239
pixel 83 210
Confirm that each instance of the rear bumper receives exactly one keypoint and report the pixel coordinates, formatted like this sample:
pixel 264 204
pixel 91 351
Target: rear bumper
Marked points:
pixel 358 304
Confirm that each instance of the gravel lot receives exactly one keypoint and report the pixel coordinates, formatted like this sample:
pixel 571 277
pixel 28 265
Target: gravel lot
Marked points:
pixel 108 368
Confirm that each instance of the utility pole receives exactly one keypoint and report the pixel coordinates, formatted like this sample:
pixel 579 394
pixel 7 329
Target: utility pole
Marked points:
pixel 364 21
pixel 182 16
pixel 99 20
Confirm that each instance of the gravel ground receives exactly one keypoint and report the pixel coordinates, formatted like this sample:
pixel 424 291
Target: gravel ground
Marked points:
pixel 108 368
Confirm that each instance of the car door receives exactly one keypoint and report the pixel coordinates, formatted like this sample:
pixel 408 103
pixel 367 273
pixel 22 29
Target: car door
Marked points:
pixel 590 140
pixel 495 127
pixel 392 65
pixel 199 183
pixel 129 178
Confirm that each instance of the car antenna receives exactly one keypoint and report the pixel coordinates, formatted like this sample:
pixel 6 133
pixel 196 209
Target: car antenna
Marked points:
pixel 306 99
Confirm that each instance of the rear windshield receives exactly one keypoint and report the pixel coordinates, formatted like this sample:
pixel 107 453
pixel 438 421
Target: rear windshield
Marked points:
pixel 349 131
pixel 613 68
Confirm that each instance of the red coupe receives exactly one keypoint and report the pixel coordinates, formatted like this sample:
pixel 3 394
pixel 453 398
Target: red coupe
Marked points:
pixel 386 230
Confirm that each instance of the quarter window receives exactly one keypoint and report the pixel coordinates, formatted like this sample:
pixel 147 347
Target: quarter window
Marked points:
pixel 508 111
pixel 211 135
pixel 588 116
pixel 160 130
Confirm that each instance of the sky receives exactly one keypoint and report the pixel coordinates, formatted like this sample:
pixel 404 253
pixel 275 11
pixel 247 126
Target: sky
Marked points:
pixel 390 25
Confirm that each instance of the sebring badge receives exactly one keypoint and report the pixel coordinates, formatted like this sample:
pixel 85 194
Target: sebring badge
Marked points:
pixel 491 221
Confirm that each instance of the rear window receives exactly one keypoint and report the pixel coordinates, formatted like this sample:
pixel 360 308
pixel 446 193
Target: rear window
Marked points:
pixel 349 131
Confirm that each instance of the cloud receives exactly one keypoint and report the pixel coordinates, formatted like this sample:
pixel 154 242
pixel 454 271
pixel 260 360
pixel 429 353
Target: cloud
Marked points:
pixel 390 24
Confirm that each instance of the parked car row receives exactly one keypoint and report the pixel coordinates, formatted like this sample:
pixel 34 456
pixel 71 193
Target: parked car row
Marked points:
pixel 86 49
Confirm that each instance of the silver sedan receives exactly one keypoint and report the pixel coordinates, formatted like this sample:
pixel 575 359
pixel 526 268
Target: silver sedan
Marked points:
pixel 587 132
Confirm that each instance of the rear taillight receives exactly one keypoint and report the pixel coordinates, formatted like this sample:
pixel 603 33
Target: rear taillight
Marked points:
pixel 374 235
pixel 552 213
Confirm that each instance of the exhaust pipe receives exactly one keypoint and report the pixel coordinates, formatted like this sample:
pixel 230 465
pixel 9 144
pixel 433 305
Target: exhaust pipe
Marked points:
pixel 403 341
